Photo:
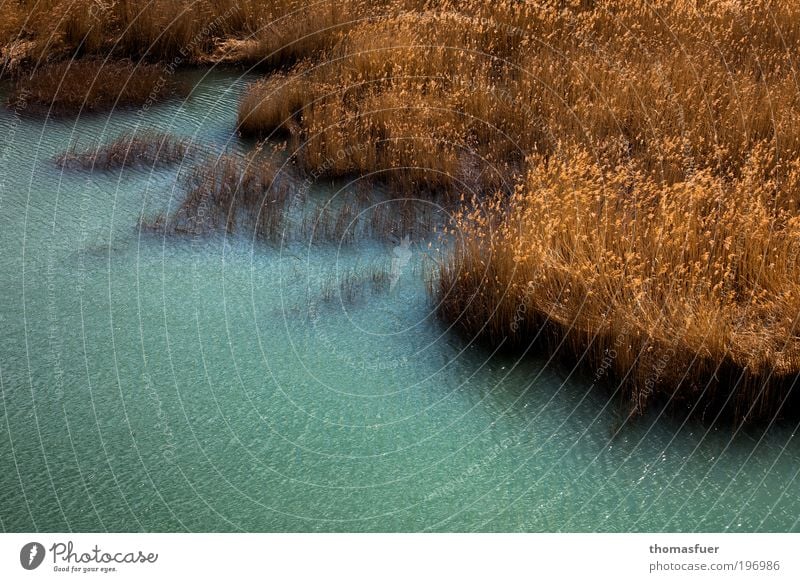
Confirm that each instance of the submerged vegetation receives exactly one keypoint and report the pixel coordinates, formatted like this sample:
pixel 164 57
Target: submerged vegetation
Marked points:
pixel 689 291
pixel 628 171
pixel 147 148
pixel 351 286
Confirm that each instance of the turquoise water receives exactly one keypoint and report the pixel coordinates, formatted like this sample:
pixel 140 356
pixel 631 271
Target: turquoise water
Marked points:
pixel 155 383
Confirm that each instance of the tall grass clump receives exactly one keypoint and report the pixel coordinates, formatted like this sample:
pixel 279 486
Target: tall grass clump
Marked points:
pixel 380 101
pixel 688 291
pixel 269 33
pixel 272 106
pixel 223 194
pixel 291 31
pixel 92 85
pixel 629 167
pixel 223 191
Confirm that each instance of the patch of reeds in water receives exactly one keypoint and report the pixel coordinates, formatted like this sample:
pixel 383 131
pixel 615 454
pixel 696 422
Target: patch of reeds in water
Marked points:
pixel 90 85
pixel 327 223
pixel 350 220
pixel 272 106
pixel 143 149
pixel 687 293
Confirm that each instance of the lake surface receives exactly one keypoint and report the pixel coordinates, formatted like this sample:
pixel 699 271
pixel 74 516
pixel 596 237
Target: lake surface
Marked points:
pixel 163 383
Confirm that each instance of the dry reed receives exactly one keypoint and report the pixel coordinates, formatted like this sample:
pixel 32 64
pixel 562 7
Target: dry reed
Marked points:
pixel 634 163
pixel 255 31
pixel 224 190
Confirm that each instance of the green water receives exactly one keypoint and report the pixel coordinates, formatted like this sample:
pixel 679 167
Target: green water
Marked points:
pixel 156 383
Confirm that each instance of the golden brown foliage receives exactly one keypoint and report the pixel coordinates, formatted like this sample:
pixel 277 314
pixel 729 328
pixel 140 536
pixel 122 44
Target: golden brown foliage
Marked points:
pixel 147 148
pixel 432 89
pixel 255 31
pixel 272 105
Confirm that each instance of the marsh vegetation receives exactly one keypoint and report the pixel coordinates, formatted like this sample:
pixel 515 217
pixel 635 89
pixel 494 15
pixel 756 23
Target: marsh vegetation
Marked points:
pixel 91 85
pixel 146 148
pixel 627 173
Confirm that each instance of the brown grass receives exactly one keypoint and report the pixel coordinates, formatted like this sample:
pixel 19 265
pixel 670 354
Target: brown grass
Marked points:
pixel 270 33
pixel 91 85
pixel 224 192
pixel 653 152
pixel 429 92
pixel 633 164
pixel 292 31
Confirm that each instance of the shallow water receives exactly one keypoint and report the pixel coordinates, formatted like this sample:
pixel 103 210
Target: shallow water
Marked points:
pixel 210 383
